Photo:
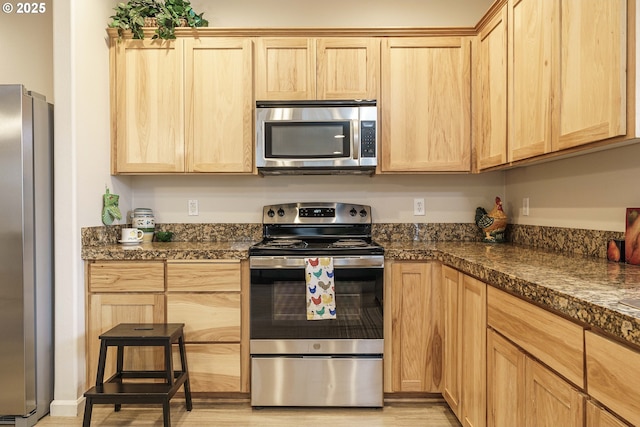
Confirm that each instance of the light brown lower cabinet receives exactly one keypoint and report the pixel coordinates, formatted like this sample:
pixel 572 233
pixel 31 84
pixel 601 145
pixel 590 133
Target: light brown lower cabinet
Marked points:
pixel 416 327
pixel 522 392
pixel 213 367
pixel 465 331
pixel 206 297
pixel 474 352
pixel 550 400
pixel 505 382
pixel 613 370
pixel 452 346
pixel 597 416
pixel 123 292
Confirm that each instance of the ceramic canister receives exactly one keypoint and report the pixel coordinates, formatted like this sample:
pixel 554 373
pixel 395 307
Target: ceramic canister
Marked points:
pixel 143 219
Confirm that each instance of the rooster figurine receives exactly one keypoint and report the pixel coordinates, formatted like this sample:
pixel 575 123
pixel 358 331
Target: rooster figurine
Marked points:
pixel 493 223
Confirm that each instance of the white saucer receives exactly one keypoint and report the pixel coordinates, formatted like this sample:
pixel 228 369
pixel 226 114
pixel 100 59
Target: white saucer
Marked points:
pixel 130 242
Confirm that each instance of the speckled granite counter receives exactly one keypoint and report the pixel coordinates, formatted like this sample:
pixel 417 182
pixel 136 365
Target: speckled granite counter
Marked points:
pixel 170 250
pixel 582 288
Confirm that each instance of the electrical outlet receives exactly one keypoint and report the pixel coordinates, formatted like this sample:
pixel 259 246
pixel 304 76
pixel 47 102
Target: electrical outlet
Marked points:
pixel 418 207
pixel 525 206
pixel 193 207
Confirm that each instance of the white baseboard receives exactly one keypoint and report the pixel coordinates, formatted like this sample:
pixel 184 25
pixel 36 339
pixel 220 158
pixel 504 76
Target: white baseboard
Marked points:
pixel 67 408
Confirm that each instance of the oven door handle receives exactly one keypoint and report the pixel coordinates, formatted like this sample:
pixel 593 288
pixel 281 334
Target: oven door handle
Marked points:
pixel 272 262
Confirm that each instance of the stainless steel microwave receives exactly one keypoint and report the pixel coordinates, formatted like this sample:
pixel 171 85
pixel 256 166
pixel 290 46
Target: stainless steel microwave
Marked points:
pixel 316 137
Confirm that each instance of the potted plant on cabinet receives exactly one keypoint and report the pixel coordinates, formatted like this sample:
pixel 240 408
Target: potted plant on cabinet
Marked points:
pixel 166 16
pixel 177 13
pixel 131 16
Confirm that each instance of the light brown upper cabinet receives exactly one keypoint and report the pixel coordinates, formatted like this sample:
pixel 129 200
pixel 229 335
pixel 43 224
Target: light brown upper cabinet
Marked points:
pixel 490 92
pixel 300 68
pixel 182 106
pixel 592 95
pixel 219 105
pixel 147 107
pixel 567 78
pixel 425 105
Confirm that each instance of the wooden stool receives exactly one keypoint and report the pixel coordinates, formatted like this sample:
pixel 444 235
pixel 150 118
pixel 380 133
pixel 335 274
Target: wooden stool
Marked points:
pixel 115 391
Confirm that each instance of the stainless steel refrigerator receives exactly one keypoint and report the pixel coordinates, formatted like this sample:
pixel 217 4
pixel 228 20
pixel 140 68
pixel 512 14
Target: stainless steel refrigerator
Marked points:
pixel 26 255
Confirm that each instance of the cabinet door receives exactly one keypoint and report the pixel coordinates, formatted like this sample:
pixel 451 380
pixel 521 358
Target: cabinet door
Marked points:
pixel 426 103
pixel 108 310
pixel 505 382
pixel 474 352
pixel 147 107
pixel 452 360
pixel 490 102
pixel 348 68
pixel 219 105
pixel 285 68
pixel 416 329
pixel 551 401
pixel 531 39
pixel 592 84
pixel 597 416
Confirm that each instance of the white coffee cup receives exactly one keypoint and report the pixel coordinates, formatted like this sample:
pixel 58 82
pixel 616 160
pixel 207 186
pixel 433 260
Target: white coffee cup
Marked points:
pixel 132 235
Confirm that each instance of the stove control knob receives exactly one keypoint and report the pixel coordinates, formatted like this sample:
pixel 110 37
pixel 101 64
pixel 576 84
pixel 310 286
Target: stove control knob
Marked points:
pixel 271 213
pixel 363 213
pixel 280 212
pixel 353 212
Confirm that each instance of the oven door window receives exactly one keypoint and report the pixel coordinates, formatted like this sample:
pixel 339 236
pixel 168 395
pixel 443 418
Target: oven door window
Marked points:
pixel 307 140
pixel 278 306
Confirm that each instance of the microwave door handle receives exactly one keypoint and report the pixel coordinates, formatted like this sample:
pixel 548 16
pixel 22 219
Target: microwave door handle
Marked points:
pixel 355 139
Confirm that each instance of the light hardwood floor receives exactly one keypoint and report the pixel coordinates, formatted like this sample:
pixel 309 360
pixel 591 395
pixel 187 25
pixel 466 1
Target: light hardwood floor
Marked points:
pixel 207 413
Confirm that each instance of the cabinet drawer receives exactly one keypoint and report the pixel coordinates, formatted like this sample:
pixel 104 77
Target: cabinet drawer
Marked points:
pixel 126 276
pixel 557 342
pixel 612 370
pixel 212 367
pixel 204 276
pixel 207 317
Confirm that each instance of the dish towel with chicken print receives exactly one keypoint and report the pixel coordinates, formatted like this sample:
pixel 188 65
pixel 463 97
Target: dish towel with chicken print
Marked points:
pixel 321 291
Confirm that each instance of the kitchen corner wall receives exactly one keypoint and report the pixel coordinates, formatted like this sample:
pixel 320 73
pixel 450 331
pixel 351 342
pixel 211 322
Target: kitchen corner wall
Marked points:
pixel 589 192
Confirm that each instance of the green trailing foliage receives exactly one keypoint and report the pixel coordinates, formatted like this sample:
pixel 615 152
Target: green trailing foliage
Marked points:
pixel 169 15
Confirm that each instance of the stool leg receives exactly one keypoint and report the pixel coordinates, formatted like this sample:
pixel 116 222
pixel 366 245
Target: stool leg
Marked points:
pixel 166 413
pixel 187 384
pixel 102 360
pixel 168 362
pixel 88 407
pixel 119 369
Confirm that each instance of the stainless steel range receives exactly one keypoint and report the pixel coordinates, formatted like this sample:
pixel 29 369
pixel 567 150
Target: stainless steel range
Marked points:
pixel 316 307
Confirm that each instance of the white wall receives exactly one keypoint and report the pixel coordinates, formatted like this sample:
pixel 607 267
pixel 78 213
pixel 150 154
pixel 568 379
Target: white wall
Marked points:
pixel 591 191
pixel 81 81
pixel 27 48
pixel 448 198
pixel 340 13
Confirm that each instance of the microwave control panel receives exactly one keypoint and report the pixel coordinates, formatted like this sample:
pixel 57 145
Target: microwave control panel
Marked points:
pixel 368 138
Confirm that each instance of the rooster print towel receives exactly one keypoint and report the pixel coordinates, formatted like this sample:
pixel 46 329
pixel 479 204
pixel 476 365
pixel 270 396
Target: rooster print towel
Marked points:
pixel 321 291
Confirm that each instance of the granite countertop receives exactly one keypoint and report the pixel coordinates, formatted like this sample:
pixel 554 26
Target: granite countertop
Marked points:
pixel 582 288
pixel 167 250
